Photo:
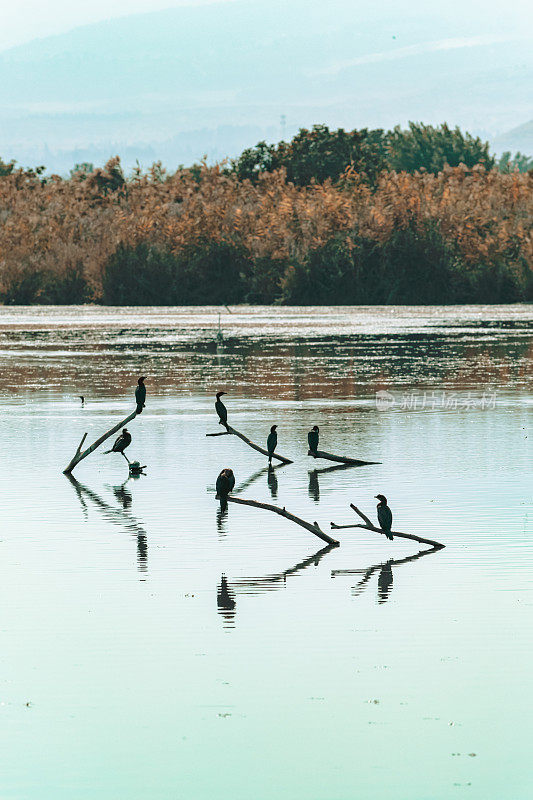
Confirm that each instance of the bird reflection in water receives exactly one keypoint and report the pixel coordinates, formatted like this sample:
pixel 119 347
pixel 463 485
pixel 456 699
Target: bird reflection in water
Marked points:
pixel 385 576
pixel 118 516
pixel 226 602
pixel 222 513
pixel 314 486
pixel 260 584
pixel 384 582
pixel 125 498
pixel 272 482
pixel 142 551
pixel 123 495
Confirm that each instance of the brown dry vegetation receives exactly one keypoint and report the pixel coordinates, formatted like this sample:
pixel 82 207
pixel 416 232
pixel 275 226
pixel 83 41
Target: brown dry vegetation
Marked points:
pixel 72 240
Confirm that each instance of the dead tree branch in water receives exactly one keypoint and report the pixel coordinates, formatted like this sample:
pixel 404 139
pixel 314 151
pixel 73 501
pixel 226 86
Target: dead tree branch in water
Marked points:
pixel 369 526
pixel 247 441
pixel 79 456
pixel 312 527
pixel 355 462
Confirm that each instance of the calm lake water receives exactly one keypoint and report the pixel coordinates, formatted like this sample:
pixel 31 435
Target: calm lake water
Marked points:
pixel 152 647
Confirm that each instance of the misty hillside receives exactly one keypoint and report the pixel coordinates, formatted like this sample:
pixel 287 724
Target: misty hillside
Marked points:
pixel 518 139
pixel 213 79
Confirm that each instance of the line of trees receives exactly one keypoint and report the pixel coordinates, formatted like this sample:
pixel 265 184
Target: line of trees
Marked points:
pixel 319 154
pixel 417 216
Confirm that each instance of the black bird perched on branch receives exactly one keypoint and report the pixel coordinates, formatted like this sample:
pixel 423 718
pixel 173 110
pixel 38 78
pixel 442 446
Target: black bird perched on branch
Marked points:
pixel 384 516
pixel 221 410
pixel 224 485
pixel 123 441
pixel 140 395
pixel 312 438
pixel 272 442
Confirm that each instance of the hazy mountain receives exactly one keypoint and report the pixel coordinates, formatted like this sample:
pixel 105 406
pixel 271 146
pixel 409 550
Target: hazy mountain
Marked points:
pixel 213 79
pixel 518 139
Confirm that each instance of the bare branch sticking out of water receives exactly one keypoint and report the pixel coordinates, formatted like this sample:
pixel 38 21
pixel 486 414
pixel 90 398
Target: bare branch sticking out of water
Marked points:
pixel 79 456
pixel 356 462
pixel 247 441
pixel 312 527
pixel 369 526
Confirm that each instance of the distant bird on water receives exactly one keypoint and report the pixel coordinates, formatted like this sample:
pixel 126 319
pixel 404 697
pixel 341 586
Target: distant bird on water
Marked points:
pixel 224 485
pixel 140 395
pixel 82 398
pixel 221 410
pixel 272 441
pixel 123 441
pixel 312 438
pixel 384 516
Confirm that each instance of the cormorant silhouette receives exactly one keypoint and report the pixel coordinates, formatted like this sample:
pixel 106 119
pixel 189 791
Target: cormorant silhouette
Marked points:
pixel 123 441
pixel 140 395
pixel 221 410
pixel 82 398
pixel 384 516
pixel 272 441
pixel 312 438
pixel 224 485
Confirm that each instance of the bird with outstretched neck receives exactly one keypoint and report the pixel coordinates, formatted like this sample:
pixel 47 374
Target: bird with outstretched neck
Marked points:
pixel 384 516
pixel 312 438
pixel 123 441
pixel 272 442
pixel 140 395
pixel 221 410
pixel 224 485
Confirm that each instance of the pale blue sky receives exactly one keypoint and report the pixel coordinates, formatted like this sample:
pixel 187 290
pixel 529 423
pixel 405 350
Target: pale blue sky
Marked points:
pixel 29 19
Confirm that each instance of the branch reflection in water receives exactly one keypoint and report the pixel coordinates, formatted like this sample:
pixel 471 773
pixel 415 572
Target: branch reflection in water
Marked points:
pixel 314 486
pixel 385 577
pixel 118 516
pixel 227 592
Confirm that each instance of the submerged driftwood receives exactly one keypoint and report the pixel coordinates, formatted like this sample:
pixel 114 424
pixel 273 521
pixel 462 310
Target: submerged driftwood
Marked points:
pixel 356 462
pixel 369 526
pixel 79 455
pixel 233 432
pixel 312 527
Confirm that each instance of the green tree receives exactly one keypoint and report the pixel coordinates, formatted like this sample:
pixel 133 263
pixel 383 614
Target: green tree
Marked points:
pixel 254 160
pixel 108 179
pixel 426 147
pixel 316 155
pixel 521 162
pixel 82 170
pixel 7 167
